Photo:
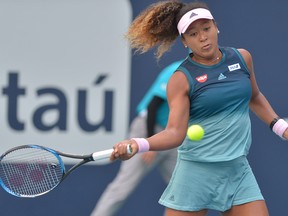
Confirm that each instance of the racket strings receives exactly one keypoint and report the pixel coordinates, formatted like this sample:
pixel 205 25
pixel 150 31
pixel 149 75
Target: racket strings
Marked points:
pixel 30 171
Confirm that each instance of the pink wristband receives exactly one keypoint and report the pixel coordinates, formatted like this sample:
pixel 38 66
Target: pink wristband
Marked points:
pixel 143 144
pixel 279 127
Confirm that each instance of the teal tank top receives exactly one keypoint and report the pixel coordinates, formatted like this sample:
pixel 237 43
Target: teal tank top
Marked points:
pixel 219 102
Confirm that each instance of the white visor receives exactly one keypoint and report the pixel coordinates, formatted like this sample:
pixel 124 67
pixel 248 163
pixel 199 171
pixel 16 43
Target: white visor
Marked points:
pixel 191 16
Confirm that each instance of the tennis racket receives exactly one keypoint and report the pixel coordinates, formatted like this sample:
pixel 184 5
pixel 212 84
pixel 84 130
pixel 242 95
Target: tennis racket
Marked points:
pixel 33 170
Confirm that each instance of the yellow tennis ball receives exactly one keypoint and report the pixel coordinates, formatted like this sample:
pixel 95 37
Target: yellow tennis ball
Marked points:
pixel 195 132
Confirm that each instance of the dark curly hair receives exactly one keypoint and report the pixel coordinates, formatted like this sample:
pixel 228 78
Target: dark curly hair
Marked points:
pixel 156 26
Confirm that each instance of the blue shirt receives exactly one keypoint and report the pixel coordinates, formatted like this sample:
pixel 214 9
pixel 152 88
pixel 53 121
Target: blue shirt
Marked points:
pixel 158 88
pixel 219 102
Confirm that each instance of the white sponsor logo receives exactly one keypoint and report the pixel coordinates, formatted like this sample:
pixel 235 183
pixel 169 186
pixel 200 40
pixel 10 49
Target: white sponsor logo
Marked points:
pixel 234 67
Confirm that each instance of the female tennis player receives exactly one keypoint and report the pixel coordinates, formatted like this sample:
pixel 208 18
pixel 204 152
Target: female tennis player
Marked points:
pixel 214 87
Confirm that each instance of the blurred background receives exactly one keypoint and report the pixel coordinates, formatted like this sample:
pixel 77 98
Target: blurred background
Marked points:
pixel 69 81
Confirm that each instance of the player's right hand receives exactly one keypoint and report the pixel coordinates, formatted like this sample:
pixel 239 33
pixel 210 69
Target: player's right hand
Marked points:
pixel 121 150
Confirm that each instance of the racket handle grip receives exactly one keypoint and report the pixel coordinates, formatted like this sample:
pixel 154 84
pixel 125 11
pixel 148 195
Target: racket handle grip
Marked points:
pixel 107 153
pixel 102 154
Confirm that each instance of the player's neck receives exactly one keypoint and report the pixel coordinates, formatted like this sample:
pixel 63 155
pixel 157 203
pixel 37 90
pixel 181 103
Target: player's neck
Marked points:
pixel 208 61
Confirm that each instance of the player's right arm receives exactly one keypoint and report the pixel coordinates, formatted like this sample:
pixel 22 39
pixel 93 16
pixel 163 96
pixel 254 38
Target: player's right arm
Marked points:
pixel 151 122
pixel 179 105
pixel 174 133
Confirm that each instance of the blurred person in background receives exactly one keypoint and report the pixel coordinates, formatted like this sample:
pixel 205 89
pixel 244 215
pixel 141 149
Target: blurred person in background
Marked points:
pixel 152 116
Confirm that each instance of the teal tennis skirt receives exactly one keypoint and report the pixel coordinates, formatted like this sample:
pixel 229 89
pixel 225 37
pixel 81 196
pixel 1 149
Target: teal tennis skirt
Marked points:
pixel 218 185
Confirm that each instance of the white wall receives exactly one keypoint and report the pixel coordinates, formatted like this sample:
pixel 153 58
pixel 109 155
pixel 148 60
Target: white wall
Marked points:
pixel 59 48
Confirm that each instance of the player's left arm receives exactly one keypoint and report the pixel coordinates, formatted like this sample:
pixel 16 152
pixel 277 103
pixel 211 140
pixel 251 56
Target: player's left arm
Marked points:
pixel 258 103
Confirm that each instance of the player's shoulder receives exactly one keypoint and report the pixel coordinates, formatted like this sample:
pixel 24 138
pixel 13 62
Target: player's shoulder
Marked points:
pixel 245 54
pixel 244 51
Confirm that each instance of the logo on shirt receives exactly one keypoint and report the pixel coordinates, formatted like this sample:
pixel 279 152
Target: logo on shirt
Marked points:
pixel 234 67
pixel 202 78
pixel 221 76
pixel 172 198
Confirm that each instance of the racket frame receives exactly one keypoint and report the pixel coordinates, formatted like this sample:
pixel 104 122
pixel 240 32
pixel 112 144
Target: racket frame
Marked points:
pixel 85 159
